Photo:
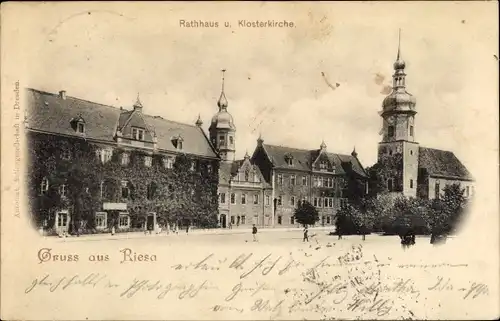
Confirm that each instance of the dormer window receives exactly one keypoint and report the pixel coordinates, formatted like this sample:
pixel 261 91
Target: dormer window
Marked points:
pixel 247 175
pixel 138 133
pixel 177 141
pixel 80 128
pixel 289 159
pixel 323 166
pixel 78 124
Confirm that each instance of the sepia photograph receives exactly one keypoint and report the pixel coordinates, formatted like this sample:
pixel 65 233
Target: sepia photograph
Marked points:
pixel 250 161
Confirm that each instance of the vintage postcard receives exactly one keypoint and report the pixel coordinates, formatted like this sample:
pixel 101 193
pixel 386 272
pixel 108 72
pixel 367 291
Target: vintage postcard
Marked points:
pixel 249 161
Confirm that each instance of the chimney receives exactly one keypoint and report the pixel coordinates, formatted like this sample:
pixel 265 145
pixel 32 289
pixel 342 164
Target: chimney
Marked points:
pixel 62 94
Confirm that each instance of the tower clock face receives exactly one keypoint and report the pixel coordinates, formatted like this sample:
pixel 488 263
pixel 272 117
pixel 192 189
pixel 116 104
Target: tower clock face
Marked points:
pixel 391 120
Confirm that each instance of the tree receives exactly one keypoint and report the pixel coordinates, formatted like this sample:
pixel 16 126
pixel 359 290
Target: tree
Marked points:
pixel 448 212
pixel 344 224
pixel 306 213
pixel 355 189
pixel 410 215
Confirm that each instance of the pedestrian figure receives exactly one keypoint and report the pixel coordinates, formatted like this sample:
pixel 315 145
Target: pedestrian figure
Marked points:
pixel 254 233
pixel 407 239
pixel 187 229
pixel 113 230
pixel 306 234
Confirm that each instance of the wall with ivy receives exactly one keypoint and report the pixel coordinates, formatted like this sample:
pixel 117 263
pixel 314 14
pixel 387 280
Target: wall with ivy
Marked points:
pixel 387 167
pixel 176 194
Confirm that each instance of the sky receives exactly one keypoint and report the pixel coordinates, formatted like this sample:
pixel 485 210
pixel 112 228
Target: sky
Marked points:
pixel 278 79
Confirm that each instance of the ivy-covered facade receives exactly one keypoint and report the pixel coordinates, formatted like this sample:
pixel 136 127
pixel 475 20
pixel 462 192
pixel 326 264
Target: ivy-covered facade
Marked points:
pixel 98 168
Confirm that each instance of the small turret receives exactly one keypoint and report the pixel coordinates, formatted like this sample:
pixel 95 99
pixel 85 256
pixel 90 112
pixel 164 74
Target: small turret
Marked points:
pixel 322 146
pixel 199 122
pixel 354 153
pixel 138 104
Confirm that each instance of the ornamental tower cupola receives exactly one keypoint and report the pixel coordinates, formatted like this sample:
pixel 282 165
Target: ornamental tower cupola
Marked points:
pixel 398 108
pixel 222 130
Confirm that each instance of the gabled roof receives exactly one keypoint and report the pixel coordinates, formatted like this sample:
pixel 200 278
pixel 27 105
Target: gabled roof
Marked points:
pixel 48 112
pixel 228 170
pixel 304 158
pixel 442 163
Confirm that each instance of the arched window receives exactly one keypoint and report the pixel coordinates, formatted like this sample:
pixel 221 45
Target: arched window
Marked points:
pixel 246 176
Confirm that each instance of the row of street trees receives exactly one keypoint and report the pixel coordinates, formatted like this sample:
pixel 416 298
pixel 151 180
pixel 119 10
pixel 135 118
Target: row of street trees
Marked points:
pixel 389 214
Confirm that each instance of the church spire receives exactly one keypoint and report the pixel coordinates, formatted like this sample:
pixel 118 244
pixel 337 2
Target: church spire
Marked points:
pixel 399 44
pixel 222 103
pixel 399 67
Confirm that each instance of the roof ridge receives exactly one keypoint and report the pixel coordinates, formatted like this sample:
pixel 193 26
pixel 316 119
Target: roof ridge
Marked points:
pixel 75 98
pixel 109 106
pixel 172 121
pixel 442 150
pixel 308 150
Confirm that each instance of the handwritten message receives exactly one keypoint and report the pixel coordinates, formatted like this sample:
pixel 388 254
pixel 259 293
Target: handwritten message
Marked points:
pixel 270 285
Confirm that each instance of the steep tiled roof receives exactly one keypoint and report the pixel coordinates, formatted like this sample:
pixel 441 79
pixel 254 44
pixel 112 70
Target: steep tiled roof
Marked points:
pixel 442 163
pixel 230 169
pixel 226 171
pixel 50 113
pixel 303 159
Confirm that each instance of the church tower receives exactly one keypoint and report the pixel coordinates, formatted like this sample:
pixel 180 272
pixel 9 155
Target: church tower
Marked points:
pixel 222 130
pixel 398 150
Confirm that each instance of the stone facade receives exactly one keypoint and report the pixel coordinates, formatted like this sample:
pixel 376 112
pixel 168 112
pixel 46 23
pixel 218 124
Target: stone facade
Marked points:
pixel 296 175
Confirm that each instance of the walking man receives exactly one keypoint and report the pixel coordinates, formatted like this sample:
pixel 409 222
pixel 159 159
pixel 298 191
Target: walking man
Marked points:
pixel 306 234
pixel 254 233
